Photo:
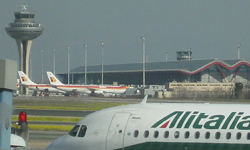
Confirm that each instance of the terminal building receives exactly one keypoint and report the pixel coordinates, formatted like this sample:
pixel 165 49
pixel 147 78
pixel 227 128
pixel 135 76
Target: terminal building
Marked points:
pixel 181 77
pixel 184 69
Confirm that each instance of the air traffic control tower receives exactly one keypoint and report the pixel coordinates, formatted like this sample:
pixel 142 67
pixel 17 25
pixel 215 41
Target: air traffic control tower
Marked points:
pixel 24 29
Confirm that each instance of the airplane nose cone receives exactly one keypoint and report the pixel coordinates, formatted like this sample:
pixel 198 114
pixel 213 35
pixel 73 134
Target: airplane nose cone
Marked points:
pixel 62 143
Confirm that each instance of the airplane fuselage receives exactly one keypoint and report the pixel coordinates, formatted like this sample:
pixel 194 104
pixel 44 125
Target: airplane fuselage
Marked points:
pixel 162 126
pixel 43 87
pixel 73 88
pixel 108 89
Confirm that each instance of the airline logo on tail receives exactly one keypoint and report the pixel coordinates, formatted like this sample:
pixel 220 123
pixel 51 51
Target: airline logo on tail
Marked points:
pixel 197 120
pixel 52 79
pixel 24 79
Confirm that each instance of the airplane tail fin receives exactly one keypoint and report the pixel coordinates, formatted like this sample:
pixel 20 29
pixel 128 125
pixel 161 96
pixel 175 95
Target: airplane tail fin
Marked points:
pixel 52 79
pixel 144 101
pixel 25 79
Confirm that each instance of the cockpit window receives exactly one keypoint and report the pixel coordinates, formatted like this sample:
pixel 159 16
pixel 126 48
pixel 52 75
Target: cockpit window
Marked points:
pixel 82 131
pixel 74 130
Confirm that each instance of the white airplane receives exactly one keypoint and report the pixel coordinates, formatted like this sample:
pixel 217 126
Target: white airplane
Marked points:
pixel 26 82
pixel 16 142
pixel 161 126
pixel 54 82
pixel 102 89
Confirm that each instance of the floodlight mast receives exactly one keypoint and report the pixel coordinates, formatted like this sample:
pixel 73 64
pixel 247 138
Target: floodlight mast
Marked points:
pixel 54 61
pixel 42 65
pixel 143 61
pixel 68 61
pixel 102 61
pixel 239 51
pixel 85 77
pixel 166 55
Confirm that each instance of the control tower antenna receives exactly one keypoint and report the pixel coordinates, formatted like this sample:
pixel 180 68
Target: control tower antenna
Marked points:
pixel 24 8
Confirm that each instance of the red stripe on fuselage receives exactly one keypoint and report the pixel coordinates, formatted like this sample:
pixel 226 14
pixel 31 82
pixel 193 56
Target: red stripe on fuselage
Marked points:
pixel 165 125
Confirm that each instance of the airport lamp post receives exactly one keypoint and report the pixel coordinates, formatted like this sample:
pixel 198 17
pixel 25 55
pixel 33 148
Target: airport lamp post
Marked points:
pixel 54 61
pixel 189 55
pixel 68 62
pixel 85 63
pixel 42 64
pixel 166 55
pixel 102 61
pixel 143 60
pixel 239 51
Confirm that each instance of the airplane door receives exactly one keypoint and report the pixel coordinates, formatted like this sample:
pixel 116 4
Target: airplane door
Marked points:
pixel 116 131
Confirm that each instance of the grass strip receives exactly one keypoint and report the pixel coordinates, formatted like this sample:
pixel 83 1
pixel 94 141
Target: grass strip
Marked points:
pixel 69 106
pixel 46 118
pixel 59 108
pixel 50 127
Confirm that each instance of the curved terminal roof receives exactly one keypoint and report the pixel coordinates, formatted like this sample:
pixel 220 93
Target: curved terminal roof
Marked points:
pixel 184 66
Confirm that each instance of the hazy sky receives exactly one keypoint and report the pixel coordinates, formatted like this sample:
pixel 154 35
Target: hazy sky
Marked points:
pixel 211 28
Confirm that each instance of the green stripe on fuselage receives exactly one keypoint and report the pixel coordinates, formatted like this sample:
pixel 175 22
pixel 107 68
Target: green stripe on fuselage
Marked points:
pixel 187 146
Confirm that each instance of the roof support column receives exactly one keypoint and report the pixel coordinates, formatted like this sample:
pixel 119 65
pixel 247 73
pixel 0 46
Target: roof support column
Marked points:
pixel 223 75
pixel 238 70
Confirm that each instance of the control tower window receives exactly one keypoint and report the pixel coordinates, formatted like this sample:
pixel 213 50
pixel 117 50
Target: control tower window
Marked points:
pixel 24 16
pixel 31 16
pixel 17 16
pixel 82 131
pixel 74 130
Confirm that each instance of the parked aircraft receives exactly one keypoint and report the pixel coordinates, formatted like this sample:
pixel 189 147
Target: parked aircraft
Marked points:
pixel 26 82
pixel 159 126
pixel 97 89
pixel 54 82
pixel 102 89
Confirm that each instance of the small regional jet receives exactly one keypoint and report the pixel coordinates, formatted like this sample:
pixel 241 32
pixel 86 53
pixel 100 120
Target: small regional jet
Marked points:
pixel 161 126
pixel 54 82
pixel 26 82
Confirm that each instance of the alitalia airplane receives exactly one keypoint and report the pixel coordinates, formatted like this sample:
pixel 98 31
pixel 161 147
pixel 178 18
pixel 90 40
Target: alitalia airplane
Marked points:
pixel 161 126
pixel 54 82
pixel 26 82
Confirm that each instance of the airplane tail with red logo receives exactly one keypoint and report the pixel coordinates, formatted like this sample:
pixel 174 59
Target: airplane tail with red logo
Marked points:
pixel 25 79
pixel 53 80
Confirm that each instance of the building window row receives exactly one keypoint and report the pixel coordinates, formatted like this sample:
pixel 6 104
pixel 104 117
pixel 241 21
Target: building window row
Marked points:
pixel 24 25
pixel 24 16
